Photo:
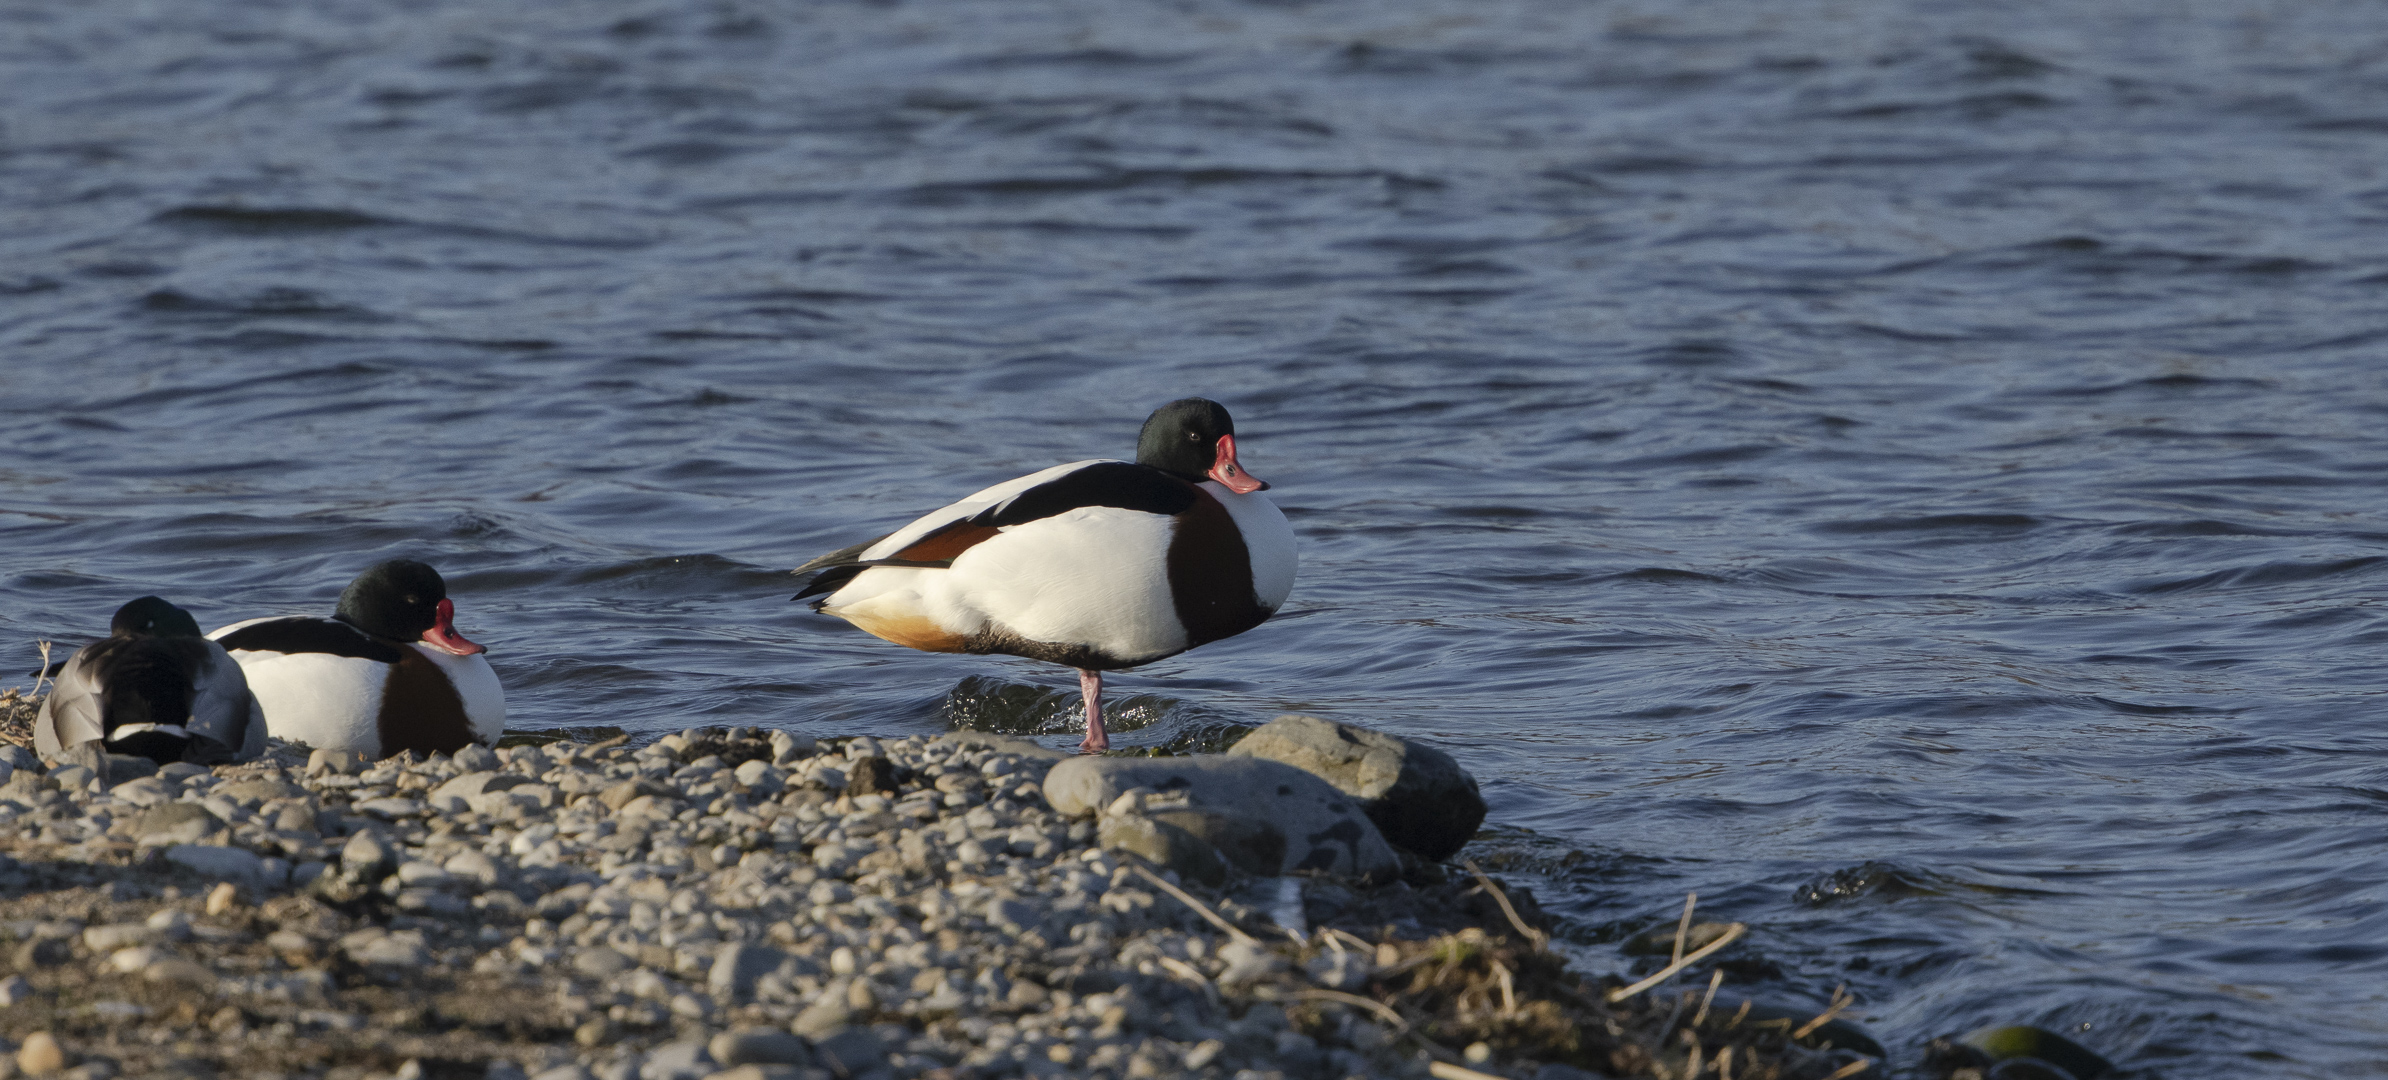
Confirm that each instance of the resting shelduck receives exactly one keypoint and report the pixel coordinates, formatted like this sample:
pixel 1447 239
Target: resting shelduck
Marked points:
pixel 1099 564
pixel 386 673
pixel 154 688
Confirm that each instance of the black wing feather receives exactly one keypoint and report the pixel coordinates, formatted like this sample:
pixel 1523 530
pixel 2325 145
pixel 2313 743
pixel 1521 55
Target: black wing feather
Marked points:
pixel 308 634
pixel 1121 484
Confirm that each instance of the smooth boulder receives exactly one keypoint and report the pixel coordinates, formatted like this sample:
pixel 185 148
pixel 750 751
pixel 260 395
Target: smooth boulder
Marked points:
pixel 1163 845
pixel 1419 798
pixel 1325 830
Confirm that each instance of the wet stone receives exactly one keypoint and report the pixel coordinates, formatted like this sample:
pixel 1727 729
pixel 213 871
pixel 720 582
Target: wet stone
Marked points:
pixel 601 962
pixel 760 1047
pixel 168 824
pixel 870 776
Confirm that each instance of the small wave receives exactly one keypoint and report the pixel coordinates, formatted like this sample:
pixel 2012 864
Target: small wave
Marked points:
pixel 1980 523
pixel 2262 574
pixel 689 152
pixel 1969 107
pixel 1662 575
pixel 2195 527
pixel 282 301
pixel 1871 879
pixel 2176 382
pixel 272 220
pixel 1698 459
pixel 1693 352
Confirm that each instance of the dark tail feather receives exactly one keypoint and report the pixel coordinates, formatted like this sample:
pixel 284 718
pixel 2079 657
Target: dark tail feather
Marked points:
pixel 828 580
pixel 841 557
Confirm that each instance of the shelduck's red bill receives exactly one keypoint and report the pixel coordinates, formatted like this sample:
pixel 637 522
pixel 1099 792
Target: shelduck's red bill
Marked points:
pixel 443 635
pixel 1231 475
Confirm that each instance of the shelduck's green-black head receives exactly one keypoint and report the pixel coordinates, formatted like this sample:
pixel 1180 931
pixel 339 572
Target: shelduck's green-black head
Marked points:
pixel 1194 439
pixel 404 600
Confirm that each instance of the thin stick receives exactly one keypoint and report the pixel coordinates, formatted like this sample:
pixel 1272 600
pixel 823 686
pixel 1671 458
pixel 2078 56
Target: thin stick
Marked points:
pixel 1851 1069
pixel 1683 928
pixel 1724 1064
pixel 1732 933
pixel 1840 1001
pixel 1508 995
pixel 1714 980
pixel 1191 974
pixel 1357 942
pixel 1444 1070
pixel 44 673
pixel 1233 931
pixel 1537 937
pixel 1378 1007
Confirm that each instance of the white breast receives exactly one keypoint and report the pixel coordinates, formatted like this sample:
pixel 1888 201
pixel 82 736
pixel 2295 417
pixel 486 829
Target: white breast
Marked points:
pixel 1269 539
pixel 477 684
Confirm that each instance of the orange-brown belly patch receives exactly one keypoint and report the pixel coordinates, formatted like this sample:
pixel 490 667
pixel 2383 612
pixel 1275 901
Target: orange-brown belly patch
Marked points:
pixel 914 631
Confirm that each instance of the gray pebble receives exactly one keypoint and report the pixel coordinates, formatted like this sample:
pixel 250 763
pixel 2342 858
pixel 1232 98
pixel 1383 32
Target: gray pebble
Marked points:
pixel 759 1046
pixel 475 759
pixel 601 962
pixel 850 1051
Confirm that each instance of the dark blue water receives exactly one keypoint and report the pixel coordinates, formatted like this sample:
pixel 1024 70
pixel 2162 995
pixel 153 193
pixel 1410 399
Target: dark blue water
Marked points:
pixel 1910 472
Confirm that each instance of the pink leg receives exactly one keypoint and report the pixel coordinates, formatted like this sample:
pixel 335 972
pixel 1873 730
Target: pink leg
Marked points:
pixel 1090 683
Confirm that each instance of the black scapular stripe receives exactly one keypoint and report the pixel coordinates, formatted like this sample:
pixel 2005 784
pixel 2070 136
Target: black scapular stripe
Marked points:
pixel 307 634
pixel 1121 484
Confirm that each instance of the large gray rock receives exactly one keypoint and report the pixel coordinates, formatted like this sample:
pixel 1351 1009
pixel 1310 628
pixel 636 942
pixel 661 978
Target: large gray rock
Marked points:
pixel 1325 831
pixel 1252 844
pixel 1419 798
pixel 1166 846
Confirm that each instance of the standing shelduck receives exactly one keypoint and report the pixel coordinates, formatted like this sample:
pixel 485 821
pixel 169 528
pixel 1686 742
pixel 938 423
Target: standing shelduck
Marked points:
pixel 386 673
pixel 1100 565
pixel 154 688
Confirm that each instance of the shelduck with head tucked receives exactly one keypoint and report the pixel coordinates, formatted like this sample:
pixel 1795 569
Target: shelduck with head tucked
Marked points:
pixel 154 688
pixel 386 673
pixel 1100 564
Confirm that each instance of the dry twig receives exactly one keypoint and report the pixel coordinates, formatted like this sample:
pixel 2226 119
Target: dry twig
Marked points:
pixel 1540 939
pixel 1851 1069
pixel 1714 980
pixel 1191 974
pixel 1683 928
pixel 1732 934
pixel 1444 1070
pixel 1213 917
pixel 1391 1014
pixel 1841 999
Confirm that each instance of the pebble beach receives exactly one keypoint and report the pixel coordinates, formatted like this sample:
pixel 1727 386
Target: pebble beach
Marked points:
pixel 742 904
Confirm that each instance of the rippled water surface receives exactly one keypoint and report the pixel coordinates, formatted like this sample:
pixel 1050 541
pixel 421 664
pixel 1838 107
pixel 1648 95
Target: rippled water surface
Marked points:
pixel 1910 472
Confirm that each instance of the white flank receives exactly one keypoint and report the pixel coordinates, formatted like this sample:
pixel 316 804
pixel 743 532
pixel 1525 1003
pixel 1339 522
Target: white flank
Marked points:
pixel 328 702
pixel 1095 575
